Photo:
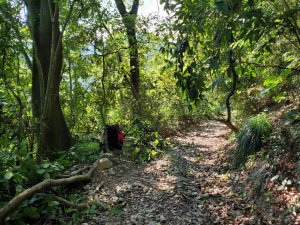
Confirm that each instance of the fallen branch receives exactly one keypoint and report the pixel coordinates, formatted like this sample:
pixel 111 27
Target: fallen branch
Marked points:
pixel 73 173
pixel 16 201
pixel 68 203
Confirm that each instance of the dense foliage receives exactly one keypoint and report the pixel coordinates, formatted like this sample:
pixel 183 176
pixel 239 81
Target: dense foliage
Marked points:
pixel 69 67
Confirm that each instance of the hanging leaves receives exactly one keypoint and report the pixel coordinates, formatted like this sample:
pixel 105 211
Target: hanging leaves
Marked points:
pixel 222 6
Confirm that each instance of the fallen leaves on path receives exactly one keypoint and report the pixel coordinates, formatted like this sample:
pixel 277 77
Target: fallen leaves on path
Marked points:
pixel 192 184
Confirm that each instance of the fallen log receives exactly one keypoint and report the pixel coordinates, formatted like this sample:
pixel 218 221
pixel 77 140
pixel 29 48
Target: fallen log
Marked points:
pixel 16 201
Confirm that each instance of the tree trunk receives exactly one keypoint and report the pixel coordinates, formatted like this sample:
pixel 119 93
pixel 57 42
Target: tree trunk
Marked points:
pixel 129 21
pixel 54 134
pixel 134 61
pixel 233 73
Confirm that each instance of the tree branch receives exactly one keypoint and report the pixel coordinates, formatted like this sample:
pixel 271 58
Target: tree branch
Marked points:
pixel 135 7
pixel 68 203
pixel 121 7
pixel 16 201
pixel 109 53
pixel 270 66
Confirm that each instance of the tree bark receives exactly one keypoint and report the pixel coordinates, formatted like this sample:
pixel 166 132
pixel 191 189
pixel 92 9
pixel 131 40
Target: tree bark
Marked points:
pixel 54 133
pixel 233 73
pixel 129 21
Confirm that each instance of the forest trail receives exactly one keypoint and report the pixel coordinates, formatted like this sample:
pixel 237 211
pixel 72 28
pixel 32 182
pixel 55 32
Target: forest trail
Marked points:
pixel 191 184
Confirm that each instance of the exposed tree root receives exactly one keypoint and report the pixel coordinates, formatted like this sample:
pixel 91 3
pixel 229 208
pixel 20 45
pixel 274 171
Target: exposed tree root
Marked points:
pixel 16 201
pixel 228 124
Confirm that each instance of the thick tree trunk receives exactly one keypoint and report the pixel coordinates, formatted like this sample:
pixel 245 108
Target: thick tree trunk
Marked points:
pixel 54 134
pixel 134 61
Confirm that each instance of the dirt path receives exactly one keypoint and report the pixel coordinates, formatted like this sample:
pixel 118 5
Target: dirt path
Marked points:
pixel 192 184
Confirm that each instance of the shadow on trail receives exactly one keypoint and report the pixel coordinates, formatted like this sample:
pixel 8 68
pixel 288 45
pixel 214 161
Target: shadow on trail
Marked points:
pixel 191 185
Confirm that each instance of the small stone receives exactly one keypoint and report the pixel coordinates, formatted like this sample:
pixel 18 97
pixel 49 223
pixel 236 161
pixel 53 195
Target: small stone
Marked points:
pixel 128 188
pixel 152 223
pixel 123 204
pixel 96 197
pixel 145 189
pixel 121 200
pixel 99 186
pixel 137 184
pixel 115 199
pixel 237 177
pixel 87 187
pixel 133 220
pixel 111 172
pixel 194 193
pixel 155 198
pixel 162 219
pixel 104 163
pixel 139 217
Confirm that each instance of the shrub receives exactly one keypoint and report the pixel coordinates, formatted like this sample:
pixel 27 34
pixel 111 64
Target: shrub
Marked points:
pixel 146 142
pixel 250 137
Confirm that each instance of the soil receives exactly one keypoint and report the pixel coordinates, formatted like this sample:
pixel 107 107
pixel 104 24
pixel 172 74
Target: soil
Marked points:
pixel 191 184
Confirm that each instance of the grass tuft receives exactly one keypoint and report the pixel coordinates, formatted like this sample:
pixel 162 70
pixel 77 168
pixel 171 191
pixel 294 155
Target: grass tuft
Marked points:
pixel 250 138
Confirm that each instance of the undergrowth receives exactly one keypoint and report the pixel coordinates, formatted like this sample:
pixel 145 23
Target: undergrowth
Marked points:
pixel 144 141
pixel 250 138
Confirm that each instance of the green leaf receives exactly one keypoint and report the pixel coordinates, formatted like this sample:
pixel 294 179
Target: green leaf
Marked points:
pixel 31 212
pixel 19 222
pixel 47 175
pixel 285 73
pixel 19 189
pixel 251 3
pixel 8 175
pixel 277 21
pixel 221 6
pixel 46 165
pixel 214 62
pixel 41 171
pixel 217 82
pixel 53 203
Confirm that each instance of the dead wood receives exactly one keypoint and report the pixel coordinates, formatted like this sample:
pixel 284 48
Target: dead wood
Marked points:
pixel 68 203
pixel 12 205
pixel 73 173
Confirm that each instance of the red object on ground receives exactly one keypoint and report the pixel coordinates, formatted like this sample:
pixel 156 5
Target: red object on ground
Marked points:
pixel 120 136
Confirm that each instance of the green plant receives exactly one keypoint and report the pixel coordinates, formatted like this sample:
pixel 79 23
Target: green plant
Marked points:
pixel 250 138
pixel 146 142
pixel 84 151
pixel 47 169
pixel 116 211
